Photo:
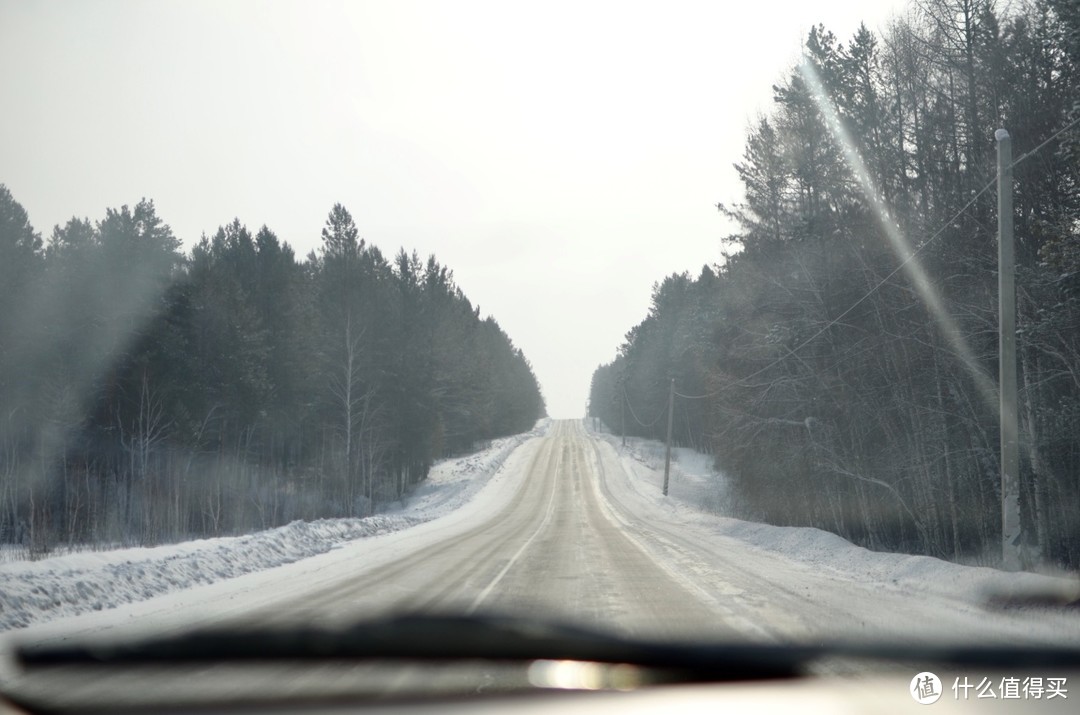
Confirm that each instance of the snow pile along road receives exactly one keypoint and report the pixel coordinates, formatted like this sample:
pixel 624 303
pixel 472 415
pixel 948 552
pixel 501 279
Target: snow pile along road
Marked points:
pixel 39 591
pixel 698 499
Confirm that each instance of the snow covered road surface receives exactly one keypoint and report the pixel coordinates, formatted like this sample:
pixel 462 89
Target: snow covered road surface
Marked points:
pixel 574 528
pixel 545 548
pixel 807 585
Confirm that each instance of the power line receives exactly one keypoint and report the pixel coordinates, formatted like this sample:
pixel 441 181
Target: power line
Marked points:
pixel 634 414
pixel 1052 137
pixel 896 270
pixel 858 302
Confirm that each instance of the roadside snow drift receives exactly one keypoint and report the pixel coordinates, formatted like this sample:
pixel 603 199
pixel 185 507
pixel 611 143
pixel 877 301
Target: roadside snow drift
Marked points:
pixel 698 499
pixel 38 591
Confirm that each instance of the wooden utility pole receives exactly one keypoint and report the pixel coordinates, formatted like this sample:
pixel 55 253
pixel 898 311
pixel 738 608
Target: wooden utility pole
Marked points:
pixel 1010 456
pixel 670 412
pixel 622 417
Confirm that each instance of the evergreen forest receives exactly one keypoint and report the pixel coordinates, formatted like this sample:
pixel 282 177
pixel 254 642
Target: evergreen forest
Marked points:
pixel 842 363
pixel 151 395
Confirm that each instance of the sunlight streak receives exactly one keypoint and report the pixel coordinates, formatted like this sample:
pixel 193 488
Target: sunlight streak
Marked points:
pixel 899 244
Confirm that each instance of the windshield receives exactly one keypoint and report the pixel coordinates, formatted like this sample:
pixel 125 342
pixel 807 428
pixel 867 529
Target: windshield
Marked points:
pixel 659 319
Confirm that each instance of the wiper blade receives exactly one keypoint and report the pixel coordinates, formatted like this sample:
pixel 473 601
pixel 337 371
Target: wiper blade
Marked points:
pixel 493 638
pixel 431 639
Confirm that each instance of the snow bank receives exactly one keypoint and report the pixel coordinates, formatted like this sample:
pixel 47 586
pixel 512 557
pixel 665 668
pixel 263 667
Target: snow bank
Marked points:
pixel 38 591
pixel 698 496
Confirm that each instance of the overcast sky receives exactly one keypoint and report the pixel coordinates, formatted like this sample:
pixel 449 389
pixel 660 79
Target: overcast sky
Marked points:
pixel 559 157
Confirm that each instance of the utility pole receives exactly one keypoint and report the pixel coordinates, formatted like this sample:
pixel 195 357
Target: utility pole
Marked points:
pixel 1010 456
pixel 670 412
pixel 622 417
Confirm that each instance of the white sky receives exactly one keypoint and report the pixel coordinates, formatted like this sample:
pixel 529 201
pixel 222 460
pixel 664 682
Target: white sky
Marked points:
pixel 559 157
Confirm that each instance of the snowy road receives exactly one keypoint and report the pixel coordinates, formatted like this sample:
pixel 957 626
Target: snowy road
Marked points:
pixel 573 528
pixel 580 541
pixel 554 548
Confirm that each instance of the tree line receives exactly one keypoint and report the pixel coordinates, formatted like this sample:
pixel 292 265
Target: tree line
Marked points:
pixel 149 395
pixel 841 383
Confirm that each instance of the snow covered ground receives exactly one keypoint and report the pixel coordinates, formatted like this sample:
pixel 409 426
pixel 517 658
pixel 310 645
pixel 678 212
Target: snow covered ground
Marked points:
pixel 698 498
pixel 33 592
pixel 779 583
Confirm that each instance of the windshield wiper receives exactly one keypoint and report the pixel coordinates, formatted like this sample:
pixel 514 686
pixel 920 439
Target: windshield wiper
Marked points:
pixel 436 639
pixel 430 638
